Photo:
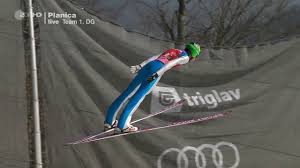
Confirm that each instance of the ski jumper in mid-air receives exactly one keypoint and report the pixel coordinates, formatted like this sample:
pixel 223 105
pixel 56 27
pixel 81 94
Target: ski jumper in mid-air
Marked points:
pixel 149 73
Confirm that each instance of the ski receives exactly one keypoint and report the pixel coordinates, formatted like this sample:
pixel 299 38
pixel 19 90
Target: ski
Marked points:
pixel 175 124
pixel 138 120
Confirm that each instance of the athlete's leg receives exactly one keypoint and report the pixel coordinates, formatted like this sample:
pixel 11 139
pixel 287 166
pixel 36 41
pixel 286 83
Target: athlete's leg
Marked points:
pixel 139 96
pixel 134 102
pixel 117 104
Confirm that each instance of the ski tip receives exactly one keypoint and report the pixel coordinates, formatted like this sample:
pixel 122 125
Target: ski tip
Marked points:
pixel 226 112
pixel 68 144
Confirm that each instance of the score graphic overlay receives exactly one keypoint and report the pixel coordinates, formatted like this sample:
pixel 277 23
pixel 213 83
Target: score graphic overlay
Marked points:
pixel 52 18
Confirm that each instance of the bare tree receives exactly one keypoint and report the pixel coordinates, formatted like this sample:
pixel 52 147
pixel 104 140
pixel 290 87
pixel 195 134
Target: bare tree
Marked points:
pixel 213 22
pixel 233 21
pixel 168 17
pixel 288 25
pixel 180 14
pixel 101 8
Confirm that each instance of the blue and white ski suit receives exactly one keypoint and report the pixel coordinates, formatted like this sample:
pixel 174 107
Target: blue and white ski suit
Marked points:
pixel 139 87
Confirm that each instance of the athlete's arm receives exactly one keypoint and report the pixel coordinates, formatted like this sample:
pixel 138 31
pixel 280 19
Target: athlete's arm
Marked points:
pixel 179 61
pixel 171 64
pixel 136 68
pixel 148 60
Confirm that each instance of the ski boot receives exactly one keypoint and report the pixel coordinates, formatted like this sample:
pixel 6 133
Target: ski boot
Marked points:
pixel 129 129
pixel 108 126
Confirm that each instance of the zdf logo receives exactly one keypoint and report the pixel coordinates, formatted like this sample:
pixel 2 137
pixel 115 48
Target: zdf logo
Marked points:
pixel 19 14
pixel 162 97
pixel 200 159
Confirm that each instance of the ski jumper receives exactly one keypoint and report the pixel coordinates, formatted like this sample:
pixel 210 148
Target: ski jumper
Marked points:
pixel 139 87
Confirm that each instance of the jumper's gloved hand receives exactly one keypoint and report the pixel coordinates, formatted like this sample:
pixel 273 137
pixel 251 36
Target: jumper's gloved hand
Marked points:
pixel 135 68
pixel 152 77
